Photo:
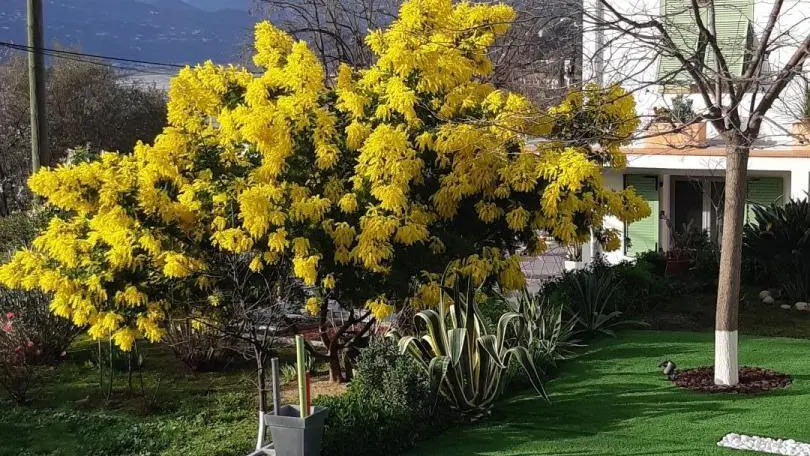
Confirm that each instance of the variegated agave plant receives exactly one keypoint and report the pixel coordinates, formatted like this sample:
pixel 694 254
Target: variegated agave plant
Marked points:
pixel 468 364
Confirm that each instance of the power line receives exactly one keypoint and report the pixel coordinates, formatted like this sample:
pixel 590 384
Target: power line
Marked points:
pixel 96 59
pixel 59 52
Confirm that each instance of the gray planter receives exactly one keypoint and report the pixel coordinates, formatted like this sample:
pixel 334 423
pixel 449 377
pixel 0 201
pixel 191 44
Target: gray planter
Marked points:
pixel 294 436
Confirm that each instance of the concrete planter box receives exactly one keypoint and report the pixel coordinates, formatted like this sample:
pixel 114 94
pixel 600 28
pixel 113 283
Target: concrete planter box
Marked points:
pixel 801 133
pixel 692 135
pixel 294 436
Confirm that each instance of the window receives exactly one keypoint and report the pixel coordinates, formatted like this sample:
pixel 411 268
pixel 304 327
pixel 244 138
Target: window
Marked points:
pixel 732 22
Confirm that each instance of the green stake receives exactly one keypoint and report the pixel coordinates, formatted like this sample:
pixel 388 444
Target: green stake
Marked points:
pixel 302 376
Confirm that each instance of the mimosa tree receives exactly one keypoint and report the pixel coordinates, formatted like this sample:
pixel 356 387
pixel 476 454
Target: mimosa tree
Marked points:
pixel 368 186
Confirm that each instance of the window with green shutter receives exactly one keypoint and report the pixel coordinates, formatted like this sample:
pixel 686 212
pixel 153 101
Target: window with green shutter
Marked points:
pixel 732 22
pixel 762 191
pixel 734 35
pixel 642 235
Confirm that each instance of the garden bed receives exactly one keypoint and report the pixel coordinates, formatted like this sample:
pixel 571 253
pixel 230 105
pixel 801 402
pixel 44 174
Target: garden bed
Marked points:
pixel 753 380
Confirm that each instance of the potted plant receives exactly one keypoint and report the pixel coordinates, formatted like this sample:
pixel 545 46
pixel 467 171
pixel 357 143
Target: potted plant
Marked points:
pixel 684 247
pixel 573 258
pixel 676 126
pixel 801 129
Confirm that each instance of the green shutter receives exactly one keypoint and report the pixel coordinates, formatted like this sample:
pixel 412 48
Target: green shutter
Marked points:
pixel 643 234
pixel 679 22
pixel 733 29
pixel 762 191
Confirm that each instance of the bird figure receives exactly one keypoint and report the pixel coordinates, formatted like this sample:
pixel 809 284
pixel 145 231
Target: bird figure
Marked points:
pixel 669 369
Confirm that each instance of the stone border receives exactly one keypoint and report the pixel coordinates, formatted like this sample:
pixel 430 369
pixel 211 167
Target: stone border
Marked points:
pixel 768 445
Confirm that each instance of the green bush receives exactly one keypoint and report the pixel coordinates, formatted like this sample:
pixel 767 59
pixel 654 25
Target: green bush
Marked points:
pixel 20 228
pixel 388 406
pixel 776 247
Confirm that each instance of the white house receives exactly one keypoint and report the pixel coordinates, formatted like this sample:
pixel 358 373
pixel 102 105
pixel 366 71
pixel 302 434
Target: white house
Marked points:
pixel 684 181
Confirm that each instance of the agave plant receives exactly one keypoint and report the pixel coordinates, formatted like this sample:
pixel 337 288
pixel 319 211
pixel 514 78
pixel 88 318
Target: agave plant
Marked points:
pixel 550 332
pixel 468 364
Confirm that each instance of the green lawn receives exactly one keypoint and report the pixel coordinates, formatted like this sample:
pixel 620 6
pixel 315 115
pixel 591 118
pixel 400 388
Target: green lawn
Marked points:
pixel 614 401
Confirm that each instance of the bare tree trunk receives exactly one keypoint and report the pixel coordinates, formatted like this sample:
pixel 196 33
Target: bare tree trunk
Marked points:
pixel 261 385
pixel 726 369
pixel 335 371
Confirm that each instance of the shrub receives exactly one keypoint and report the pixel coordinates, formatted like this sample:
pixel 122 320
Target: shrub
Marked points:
pixel 777 247
pixel 641 285
pixel 51 335
pixel 461 356
pixel 200 348
pixel 592 297
pixel 388 406
pixel 19 229
pixel 16 371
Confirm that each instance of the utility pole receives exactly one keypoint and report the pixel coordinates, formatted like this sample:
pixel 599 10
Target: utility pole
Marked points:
pixel 36 86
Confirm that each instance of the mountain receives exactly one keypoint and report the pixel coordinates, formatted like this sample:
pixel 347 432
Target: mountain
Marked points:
pixel 171 31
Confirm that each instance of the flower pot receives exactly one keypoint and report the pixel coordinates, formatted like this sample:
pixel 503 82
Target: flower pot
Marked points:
pixel 678 262
pixel 801 133
pixel 295 436
pixel 573 265
pixel 663 136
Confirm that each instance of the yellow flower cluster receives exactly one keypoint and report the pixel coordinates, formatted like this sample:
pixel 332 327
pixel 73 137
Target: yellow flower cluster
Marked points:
pixel 345 180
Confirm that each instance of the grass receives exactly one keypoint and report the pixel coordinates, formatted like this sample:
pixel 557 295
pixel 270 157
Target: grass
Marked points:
pixel 178 412
pixel 615 401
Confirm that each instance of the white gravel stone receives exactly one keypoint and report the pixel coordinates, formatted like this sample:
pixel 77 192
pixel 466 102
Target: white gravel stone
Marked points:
pixel 768 299
pixel 764 293
pixel 785 306
pixel 767 445
pixel 801 306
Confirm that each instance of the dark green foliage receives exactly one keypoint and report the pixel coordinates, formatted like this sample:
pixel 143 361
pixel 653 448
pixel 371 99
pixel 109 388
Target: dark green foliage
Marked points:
pixel 776 247
pixel 642 286
pixel 388 407
pixel 20 228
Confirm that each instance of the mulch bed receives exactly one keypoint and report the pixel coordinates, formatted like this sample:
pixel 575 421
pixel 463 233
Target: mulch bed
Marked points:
pixel 752 380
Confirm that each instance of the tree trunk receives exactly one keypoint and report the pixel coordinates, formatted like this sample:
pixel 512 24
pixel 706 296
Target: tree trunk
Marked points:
pixel 335 371
pixel 261 385
pixel 726 369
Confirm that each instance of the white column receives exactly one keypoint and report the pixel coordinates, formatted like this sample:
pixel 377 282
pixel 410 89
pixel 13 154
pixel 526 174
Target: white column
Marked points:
pixel 799 182
pixel 664 196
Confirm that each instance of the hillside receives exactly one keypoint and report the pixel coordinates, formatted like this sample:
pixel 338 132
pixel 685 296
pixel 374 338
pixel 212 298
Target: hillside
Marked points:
pixel 165 30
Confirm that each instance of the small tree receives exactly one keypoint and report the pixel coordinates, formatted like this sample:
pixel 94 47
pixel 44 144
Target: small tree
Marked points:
pixel 366 187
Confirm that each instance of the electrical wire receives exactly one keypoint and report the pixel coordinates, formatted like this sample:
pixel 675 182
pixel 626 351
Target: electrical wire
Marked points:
pixel 95 56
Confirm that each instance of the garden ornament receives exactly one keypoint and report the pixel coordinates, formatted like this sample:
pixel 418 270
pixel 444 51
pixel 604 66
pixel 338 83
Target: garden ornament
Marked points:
pixel 668 368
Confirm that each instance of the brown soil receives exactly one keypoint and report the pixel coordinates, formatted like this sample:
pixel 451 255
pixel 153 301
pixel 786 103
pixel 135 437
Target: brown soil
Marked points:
pixel 321 386
pixel 752 380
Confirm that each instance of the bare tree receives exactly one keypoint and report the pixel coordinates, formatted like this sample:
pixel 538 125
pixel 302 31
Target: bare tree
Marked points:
pixel 738 64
